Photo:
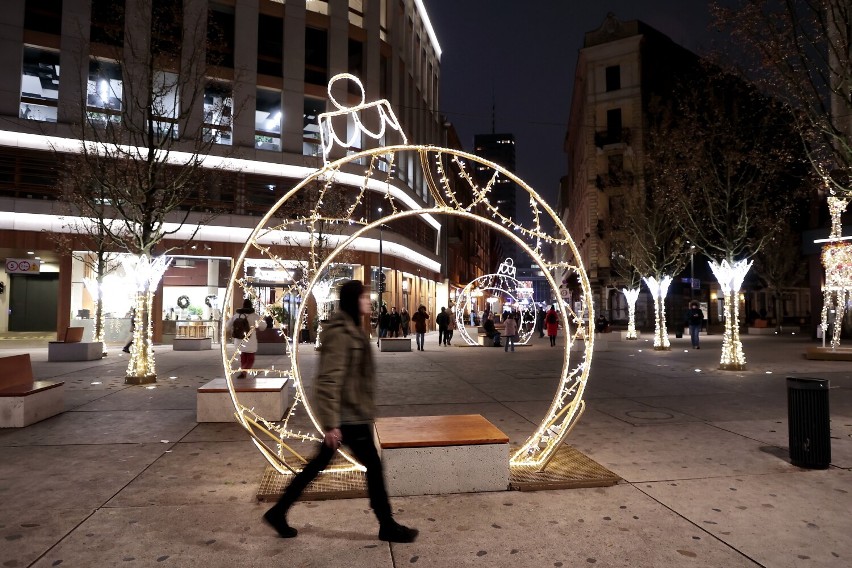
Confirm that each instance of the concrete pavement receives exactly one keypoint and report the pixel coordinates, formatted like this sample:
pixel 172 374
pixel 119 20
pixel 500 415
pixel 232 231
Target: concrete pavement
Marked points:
pixel 126 477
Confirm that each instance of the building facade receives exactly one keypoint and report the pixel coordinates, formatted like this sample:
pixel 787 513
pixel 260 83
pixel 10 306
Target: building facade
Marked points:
pixel 267 64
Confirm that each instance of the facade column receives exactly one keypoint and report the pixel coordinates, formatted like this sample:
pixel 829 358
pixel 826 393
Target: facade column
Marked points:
pixel 293 93
pixel 11 57
pixel 193 64
pixel 157 314
pixel 245 72
pixel 63 302
pixel 73 58
pixel 338 62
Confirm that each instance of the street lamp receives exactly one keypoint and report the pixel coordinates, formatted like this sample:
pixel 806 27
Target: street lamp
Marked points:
pixel 691 272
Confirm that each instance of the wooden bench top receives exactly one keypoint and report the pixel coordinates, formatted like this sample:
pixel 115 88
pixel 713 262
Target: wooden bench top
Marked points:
pixel 16 377
pixel 245 385
pixel 426 431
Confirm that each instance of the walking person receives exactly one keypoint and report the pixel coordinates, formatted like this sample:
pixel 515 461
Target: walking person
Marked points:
pixel 694 319
pixel 451 327
pixel 405 321
pixel 126 348
pixel 539 321
pixel 241 326
pixel 443 320
pixel 419 319
pixel 551 320
pixel 346 409
pixel 395 321
pixel 511 331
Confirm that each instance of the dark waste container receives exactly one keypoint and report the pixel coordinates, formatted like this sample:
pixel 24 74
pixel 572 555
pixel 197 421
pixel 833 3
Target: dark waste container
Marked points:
pixel 808 420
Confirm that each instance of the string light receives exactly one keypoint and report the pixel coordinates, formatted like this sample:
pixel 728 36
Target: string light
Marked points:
pixel 475 206
pixel 730 278
pixel 837 289
pixel 147 273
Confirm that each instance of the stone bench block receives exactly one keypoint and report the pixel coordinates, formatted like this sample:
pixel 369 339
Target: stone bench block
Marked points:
pixel 43 400
pixel 394 344
pixel 271 348
pixel 81 351
pixel 436 455
pixel 192 344
pixel 267 396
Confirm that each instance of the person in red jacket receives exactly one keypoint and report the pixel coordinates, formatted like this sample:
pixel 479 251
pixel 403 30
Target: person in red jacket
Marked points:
pixel 551 321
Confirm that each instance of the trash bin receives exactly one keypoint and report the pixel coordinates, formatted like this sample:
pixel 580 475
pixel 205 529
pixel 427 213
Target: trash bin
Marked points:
pixel 808 421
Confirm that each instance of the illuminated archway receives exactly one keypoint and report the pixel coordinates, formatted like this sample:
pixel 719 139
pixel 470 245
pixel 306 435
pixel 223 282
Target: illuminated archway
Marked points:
pixel 503 284
pixel 353 177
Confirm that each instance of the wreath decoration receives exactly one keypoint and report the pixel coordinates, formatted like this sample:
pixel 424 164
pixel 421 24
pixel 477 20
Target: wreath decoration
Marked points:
pixel 208 300
pixel 183 302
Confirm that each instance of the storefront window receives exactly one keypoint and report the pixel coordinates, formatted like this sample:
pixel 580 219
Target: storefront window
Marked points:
pixel 39 84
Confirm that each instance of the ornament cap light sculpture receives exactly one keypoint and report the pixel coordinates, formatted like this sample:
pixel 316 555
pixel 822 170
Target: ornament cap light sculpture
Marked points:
pixel 730 277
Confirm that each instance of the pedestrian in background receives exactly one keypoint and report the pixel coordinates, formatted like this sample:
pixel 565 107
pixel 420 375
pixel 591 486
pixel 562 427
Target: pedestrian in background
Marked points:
pixel 246 345
pixel 551 320
pixel 511 331
pixel 443 320
pixel 405 321
pixel 419 319
pixel 346 409
pixel 694 319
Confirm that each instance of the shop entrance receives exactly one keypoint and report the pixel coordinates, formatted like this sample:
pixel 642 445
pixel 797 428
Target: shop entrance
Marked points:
pixel 32 301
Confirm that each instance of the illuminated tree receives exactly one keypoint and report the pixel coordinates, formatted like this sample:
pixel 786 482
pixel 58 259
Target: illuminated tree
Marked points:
pixel 725 157
pixel 149 120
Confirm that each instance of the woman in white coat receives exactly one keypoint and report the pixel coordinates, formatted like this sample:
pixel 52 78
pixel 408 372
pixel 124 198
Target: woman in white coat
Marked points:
pixel 247 345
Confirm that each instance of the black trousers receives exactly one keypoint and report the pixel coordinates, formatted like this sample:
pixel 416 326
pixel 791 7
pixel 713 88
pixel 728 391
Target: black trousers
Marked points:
pixel 359 438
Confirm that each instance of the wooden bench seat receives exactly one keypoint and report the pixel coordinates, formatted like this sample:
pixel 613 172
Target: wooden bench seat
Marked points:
pixel 24 400
pixel 267 396
pixel 433 455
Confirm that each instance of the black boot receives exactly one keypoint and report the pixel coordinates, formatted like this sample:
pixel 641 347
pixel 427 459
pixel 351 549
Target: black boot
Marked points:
pixel 280 525
pixel 392 531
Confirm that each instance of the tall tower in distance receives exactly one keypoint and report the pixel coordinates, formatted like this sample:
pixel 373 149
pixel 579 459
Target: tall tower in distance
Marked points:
pixel 500 149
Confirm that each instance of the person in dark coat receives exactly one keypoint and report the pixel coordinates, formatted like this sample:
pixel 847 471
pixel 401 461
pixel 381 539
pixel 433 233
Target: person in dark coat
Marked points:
pixel 346 409
pixel 405 321
pixel 694 319
pixel 443 320
pixel 395 322
pixel 419 320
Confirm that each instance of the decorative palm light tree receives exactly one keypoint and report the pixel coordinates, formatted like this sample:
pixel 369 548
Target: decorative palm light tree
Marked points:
pixel 659 289
pixel 632 295
pixel 730 277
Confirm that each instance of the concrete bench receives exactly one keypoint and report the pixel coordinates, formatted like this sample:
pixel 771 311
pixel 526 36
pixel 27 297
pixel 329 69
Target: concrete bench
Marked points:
pixel 271 342
pixel 266 396
pixel 395 344
pixel 192 344
pixel 486 341
pixel 24 400
pixel 435 455
pixel 73 348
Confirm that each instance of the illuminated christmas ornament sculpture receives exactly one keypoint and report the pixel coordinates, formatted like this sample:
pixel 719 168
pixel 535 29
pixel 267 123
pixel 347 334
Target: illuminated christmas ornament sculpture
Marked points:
pixel 372 172
pixel 503 283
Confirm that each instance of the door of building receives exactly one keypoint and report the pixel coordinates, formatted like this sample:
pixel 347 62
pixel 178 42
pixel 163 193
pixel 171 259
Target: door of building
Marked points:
pixel 32 301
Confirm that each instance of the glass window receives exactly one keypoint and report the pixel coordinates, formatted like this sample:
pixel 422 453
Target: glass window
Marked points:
pixel 267 120
pixel 166 27
pixel 166 103
pixel 311 133
pixel 356 13
pixel 39 84
pixel 44 16
pixel 316 56
pixel 218 103
pixel 356 63
pixel 107 22
pixel 613 78
pixel 613 124
pixel 104 88
pixel 270 45
pixel 318 6
pixel 220 36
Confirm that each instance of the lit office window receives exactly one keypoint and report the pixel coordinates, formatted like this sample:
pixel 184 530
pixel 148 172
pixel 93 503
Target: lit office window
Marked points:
pixel 104 91
pixel 166 103
pixel 39 84
pixel 267 120
pixel 218 103
pixel 311 133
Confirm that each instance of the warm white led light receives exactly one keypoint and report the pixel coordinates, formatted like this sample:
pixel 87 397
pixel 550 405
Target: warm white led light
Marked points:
pixel 632 295
pixel 659 290
pixel 730 278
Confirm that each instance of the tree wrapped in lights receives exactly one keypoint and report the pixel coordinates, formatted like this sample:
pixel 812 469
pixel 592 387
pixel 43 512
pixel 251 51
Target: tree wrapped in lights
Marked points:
pixel 631 295
pixel 725 157
pixel 144 132
pixel 659 289
pixel 147 273
pixel 837 262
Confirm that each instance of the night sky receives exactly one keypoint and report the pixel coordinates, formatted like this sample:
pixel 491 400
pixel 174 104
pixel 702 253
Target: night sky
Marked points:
pixel 522 55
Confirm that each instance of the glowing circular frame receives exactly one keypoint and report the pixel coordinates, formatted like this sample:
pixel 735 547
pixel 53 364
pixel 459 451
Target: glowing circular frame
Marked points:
pixel 487 282
pixel 567 404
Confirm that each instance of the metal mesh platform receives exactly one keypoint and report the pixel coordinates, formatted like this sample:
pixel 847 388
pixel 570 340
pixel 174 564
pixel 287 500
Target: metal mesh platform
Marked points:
pixel 569 469
pixel 328 485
